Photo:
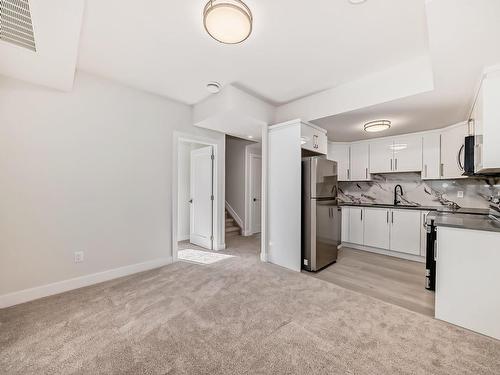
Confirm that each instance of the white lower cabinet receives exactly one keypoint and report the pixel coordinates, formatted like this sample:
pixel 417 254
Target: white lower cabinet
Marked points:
pixel 377 228
pixel 397 230
pixel 356 227
pixel 344 228
pixel 405 231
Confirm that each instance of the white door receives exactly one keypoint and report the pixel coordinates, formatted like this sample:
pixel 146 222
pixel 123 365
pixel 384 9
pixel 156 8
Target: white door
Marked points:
pixel 381 156
pixel 255 193
pixel 405 231
pixel 408 154
pixel 356 226
pixel 360 161
pixel 201 212
pixel 377 228
pixel 431 158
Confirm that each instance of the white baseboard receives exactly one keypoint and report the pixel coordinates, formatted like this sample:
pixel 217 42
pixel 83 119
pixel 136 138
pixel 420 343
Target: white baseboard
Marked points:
pixel 235 216
pixel 31 294
pixel 183 237
pixel 219 247
pixel 415 258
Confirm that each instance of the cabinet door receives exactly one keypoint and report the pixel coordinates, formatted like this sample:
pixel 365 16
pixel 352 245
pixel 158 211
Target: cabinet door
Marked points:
pixel 408 154
pixel 307 137
pixel 377 228
pixel 356 227
pixel 344 231
pixel 431 156
pixel 340 154
pixel 360 161
pixel 405 231
pixel 423 233
pixel 452 152
pixel 381 155
pixel 321 142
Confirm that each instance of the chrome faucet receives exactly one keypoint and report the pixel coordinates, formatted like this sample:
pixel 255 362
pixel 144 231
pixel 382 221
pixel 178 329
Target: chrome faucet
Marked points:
pixel 396 201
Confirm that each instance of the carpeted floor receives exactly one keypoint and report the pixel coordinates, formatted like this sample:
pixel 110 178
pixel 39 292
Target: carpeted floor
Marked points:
pixel 236 316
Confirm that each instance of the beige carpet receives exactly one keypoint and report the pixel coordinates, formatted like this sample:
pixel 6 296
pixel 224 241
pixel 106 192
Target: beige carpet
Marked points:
pixel 236 316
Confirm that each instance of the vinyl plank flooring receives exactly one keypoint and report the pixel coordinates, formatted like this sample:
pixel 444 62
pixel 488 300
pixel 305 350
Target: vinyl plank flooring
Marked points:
pixel 393 280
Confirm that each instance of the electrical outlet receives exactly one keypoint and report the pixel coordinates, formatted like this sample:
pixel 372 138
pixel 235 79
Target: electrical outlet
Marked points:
pixel 460 194
pixel 78 256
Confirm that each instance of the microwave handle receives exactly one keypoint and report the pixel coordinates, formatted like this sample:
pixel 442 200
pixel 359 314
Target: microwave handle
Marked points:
pixel 459 158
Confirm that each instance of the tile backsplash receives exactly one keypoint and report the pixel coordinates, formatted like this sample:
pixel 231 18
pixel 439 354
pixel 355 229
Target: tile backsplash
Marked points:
pixel 476 191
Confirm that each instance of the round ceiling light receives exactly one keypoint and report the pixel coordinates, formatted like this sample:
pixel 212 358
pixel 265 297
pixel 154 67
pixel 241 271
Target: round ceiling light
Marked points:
pixel 213 87
pixel 377 126
pixel 357 1
pixel 228 21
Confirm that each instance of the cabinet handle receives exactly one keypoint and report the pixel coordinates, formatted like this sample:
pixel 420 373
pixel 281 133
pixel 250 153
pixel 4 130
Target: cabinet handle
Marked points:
pixel 387 217
pixel 366 173
pixel 391 164
pixel 392 217
pixel 396 164
pixel 348 174
pixel 425 168
pixel 361 214
pixel 441 170
pixel 435 250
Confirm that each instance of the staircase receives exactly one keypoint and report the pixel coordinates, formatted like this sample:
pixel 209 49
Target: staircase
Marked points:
pixel 232 228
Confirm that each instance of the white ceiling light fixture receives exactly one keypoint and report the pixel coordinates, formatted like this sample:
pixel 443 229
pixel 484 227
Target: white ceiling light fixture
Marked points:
pixel 228 21
pixel 213 87
pixel 357 1
pixel 377 126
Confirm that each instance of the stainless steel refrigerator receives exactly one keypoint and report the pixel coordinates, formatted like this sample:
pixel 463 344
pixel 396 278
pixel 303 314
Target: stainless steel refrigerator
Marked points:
pixel 321 217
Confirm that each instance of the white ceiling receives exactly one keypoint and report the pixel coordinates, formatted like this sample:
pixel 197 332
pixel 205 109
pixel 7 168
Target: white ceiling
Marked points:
pixel 56 26
pixel 297 47
pixel 463 39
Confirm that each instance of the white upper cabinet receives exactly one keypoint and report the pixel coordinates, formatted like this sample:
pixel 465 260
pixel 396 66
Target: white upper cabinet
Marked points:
pixel 408 154
pixel 340 153
pixel 381 156
pixel 486 117
pixel 313 138
pixel 452 151
pixel 360 162
pixel 405 231
pixel 431 156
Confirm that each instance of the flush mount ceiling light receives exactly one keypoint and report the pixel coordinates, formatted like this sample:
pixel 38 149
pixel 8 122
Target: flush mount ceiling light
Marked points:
pixel 228 21
pixel 213 87
pixel 377 126
pixel 357 1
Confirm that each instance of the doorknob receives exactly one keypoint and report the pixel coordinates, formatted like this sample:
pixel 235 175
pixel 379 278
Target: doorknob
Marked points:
pixel 255 199
pixel 191 201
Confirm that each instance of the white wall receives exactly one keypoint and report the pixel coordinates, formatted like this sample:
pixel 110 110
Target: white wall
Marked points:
pixel 235 175
pixel 86 170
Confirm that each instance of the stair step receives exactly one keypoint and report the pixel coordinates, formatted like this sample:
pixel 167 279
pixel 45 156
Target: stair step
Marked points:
pixel 232 229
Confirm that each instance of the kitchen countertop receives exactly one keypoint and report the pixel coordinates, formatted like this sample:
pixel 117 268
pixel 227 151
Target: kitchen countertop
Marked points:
pixel 464 221
pixel 476 211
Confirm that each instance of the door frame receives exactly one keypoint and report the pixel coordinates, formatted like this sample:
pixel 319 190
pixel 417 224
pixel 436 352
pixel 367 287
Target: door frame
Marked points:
pixel 178 137
pixel 249 154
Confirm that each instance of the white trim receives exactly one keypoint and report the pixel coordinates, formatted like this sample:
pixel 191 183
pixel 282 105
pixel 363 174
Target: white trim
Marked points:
pixel 294 122
pixel 396 254
pixel 31 294
pixel 264 229
pixel 235 216
pixel 218 242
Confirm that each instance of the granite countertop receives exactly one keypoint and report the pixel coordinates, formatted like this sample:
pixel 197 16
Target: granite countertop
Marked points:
pixel 464 221
pixel 460 210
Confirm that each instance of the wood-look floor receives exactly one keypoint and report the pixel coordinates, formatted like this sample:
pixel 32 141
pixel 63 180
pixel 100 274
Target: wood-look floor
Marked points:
pixel 393 280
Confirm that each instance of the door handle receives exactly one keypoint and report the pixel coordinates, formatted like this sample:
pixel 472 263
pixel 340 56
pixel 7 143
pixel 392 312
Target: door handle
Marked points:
pixel 190 201
pixel 255 199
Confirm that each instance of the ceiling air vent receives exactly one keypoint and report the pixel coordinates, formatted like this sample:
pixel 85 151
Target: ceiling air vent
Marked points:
pixel 15 23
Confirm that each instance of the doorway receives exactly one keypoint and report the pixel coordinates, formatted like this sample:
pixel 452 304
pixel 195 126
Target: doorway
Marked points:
pixel 195 193
pixel 254 197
